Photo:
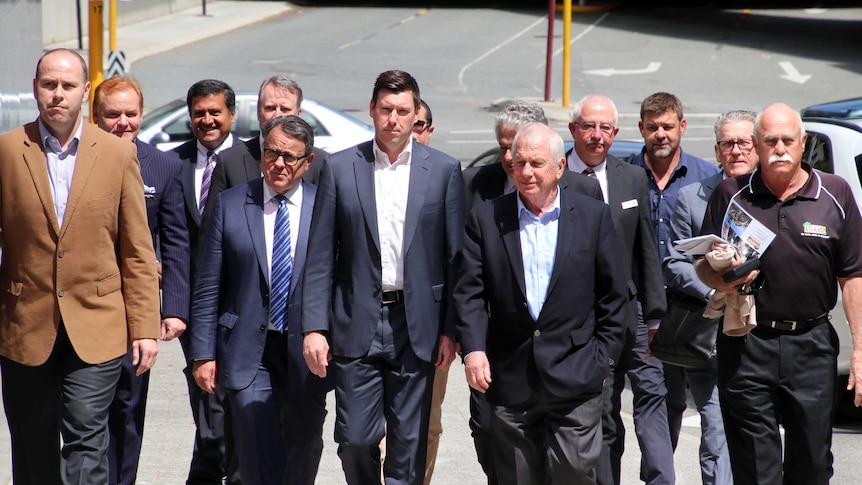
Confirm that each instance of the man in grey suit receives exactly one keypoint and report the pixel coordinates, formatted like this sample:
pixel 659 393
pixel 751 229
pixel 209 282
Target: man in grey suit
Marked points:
pixel 387 226
pixel 278 95
pixel 593 128
pixel 734 150
pixel 241 342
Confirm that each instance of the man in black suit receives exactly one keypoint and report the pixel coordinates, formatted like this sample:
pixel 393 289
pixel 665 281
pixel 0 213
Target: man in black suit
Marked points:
pixel 487 183
pixel 624 186
pixel 385 233
pixel 212 109
pixel 279 95
pixel 118 105
pixel 535 339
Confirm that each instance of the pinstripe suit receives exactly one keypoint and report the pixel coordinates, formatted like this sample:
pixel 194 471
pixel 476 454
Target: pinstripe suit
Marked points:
pixel 163 195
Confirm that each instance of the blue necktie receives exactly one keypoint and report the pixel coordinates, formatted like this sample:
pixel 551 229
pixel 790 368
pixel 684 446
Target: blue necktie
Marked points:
pixel 281 266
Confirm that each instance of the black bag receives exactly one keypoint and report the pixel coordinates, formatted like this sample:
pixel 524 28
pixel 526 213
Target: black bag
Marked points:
pixel 685 338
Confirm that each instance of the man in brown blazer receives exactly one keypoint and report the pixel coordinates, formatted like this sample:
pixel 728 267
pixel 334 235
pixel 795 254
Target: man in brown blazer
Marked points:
pixel 78 282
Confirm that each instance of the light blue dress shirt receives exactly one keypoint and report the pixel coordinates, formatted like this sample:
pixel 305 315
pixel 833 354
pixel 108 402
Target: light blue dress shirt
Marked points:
pixel 61 167
pixel 538 249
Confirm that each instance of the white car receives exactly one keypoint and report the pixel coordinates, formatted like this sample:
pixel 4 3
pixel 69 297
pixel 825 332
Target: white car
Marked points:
pixel 835 146
pixel 168 126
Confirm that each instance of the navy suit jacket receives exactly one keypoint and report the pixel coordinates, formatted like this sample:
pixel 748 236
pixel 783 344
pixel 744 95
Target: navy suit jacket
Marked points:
pixel 230 308
pixel 581 326
pixel 241 163
pixel 486 183
pixel 163 194
pixel 343 287
pixel 188 155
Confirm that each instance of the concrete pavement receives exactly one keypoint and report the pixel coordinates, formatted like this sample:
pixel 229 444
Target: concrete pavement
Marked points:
pixel 169 429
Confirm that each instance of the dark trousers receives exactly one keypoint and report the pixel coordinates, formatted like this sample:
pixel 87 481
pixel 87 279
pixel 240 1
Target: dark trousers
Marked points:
pixel 62 397
pixel 390 385
pixel 213 457
pixel 548 440
pixel 769 377
pixel 480 425
pixel 126 424
pixel 278 433
pixel 650 414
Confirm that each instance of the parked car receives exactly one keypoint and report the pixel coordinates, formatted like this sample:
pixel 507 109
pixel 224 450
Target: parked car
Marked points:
pixel 846 109
pixel 16 109
pixel 621 149
pixel 168 126
pixel 835 146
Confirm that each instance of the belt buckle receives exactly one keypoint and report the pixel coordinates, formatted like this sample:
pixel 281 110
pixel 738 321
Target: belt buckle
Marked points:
pixel 394 299
pixel 785 325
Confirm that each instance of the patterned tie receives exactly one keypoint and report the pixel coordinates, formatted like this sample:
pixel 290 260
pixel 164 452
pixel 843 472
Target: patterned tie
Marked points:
pixel 281 266
pixel 589 172
pixel 206 181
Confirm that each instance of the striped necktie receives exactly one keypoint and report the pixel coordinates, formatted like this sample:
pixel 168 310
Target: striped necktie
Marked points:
pixel 589 172
pixel 206 181
pixel 280 267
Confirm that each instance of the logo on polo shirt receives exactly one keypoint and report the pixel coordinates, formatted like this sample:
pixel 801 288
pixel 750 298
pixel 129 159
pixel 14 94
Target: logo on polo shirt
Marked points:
pixel 814 230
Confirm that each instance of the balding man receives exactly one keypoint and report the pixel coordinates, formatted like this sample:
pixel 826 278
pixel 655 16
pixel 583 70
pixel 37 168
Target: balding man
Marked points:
pixel 783 371
pixel 535 340
pixel 80 281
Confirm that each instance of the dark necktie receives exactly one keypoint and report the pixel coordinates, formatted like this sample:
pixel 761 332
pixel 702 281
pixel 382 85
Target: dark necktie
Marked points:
pixel 207 181
pixel 281 266
pixel 589 172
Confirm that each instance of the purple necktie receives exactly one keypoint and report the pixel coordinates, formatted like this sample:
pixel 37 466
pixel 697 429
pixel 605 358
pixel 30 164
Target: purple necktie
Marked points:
pixel 207 180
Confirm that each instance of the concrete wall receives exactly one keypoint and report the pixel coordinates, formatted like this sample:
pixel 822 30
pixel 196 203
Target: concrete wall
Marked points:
pixel 60 23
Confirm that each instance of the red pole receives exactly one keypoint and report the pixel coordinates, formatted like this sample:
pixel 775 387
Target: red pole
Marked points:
pixel 552 14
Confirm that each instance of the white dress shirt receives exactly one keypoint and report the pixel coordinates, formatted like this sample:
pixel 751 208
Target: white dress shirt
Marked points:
pixel 61 166
pixel 391 183
pixel 270 208
pixel 201 163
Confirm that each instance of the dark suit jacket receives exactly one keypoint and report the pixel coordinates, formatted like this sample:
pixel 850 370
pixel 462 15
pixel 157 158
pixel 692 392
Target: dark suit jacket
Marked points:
pixel 163 194
pixel 343 287
pixel 230 308
pixel 581 325
pixel 241 163
pixel 188 155
pixel 486 183
pixel 628 198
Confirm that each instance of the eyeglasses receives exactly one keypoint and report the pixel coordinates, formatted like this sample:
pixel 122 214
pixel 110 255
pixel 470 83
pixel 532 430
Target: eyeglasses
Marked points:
pixel 271 155
pixel 726 146
pixel 605 128
pixel 420 126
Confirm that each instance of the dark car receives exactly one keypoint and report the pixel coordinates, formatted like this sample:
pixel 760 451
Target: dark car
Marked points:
pixel 621 149
pixel 847 109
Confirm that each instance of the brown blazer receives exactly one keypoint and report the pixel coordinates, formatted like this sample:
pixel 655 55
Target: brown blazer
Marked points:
pixel 97 272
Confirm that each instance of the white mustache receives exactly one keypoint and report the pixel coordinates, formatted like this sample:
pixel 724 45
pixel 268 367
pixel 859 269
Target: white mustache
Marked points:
pixel 780 158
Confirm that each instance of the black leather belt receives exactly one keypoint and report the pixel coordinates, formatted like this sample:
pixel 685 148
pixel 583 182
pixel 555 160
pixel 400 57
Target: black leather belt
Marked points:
pixel 391 297
pixel 793 325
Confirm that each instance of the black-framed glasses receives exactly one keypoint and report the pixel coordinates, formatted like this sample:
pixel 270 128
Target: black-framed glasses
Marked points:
pixel 604 128
pixel 271 155
pixel 420 126
pixel 745 145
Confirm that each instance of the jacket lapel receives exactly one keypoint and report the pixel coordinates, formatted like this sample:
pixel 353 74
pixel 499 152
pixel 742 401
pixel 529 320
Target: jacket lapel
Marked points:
pixel 420 168
pixel 565 232
pixel 189 188
pixel 301 239
pixel 84 163
pixel 34 157
pixel 363 168
pixel 254 218
pixel 509 227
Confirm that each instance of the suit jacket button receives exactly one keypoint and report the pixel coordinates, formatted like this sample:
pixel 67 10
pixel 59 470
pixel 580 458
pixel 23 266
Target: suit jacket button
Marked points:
pixel 60 293
pixel 61 254
pixel 537 333
pixel 263 327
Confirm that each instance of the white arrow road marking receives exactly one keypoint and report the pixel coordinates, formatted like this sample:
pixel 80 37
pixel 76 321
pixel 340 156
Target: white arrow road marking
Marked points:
pixel 791 74
pixel 653 67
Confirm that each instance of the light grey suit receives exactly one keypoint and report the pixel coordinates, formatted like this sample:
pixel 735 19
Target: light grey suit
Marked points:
pixel 678 270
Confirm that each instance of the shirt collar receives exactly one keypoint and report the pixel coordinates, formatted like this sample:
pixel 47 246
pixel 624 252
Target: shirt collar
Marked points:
pixel 809 190
pixel 294 195
pixel 227 143
pixel 550 215
pixel 575 164
pixel 52 144
pixel 381 157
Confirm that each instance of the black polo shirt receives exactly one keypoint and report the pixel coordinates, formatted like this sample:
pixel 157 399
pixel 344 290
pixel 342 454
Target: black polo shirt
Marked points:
pixel 818 238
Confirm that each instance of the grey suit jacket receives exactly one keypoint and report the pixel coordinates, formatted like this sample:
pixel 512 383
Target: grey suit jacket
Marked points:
pixel 686 222
pixel 230 307
pixel 343 287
